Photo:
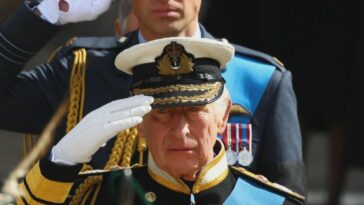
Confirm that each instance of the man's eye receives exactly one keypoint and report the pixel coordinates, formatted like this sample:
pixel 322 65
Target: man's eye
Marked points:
pixel 162 114
pixel 162 110
pixel 195 109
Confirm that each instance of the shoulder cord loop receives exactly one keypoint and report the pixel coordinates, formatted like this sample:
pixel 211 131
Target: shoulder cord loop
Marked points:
pixel 29 139
pixel 125 142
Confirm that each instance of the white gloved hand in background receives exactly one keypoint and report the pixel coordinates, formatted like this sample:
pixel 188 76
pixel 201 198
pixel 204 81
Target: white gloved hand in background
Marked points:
pixel 96 128
pixel 61 12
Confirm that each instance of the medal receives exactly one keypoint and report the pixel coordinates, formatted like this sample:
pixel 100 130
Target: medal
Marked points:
pixel 237 137
pixel 245 157
pixel 231 156
pixel 241 151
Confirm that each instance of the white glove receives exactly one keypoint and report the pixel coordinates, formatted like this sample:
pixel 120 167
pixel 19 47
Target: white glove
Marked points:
pixel 96 128
pixel 74 11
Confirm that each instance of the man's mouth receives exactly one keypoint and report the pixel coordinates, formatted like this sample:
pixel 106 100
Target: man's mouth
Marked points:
pixel 166 12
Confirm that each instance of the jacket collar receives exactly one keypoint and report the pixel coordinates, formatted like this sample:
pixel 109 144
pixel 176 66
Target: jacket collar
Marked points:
pixel 136 35
pixel 204 33
pixel 210 175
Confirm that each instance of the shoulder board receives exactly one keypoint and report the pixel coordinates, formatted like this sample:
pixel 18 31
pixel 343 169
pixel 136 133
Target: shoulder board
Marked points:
pixel 95 43
pixel 259 56
pixel 273 186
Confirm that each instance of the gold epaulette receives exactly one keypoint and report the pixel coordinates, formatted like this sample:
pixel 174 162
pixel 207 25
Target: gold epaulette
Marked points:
pixel 271 185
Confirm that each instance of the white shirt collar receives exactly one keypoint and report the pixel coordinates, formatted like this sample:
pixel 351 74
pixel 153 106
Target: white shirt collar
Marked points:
pixel 210 175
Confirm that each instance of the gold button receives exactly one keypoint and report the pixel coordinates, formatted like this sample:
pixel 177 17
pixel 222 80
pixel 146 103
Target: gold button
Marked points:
pixel 150 197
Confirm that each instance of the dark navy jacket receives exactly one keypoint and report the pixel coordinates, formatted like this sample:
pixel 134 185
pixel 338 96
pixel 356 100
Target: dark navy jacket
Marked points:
pixel 216 184
pixel 255 80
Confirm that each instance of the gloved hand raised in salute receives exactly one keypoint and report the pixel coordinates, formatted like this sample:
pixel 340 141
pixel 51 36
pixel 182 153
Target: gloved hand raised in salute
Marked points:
pixel 61 12
pixel 98 127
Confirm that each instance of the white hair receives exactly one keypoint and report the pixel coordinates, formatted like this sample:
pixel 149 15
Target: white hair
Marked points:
pixel 223 102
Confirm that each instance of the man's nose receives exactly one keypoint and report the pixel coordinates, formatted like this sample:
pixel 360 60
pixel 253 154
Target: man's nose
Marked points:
pixel 179 125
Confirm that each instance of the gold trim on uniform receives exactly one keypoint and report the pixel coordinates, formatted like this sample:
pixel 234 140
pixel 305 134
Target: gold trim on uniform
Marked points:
pixel 124 145
pixel 278 61
pixel 265 181
pixel 211 90
pixel 177 186
pixel 142 147
pixel 19 201
pixel 150 197
pixel 219 168
pixel 237 109
pixel 210 175
pixel 40 186
pixel 177 88
pixel 129 147
pixel 26 196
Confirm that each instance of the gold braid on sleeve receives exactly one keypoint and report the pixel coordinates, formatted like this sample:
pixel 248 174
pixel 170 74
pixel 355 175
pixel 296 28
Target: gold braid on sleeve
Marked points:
pixel 129 147
pixel 77 89
pixel 75 114
pixel 125 142
pixel 117 150
pixel 29 139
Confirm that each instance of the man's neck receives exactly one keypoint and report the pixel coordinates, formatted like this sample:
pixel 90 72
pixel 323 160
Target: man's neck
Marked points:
pixel 196 34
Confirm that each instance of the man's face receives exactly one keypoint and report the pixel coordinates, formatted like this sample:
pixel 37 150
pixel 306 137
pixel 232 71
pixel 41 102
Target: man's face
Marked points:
pixel 181 139
pixel 165 18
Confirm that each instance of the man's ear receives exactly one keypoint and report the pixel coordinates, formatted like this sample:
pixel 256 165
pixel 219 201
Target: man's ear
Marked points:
pixel 141 130
pixel 222 123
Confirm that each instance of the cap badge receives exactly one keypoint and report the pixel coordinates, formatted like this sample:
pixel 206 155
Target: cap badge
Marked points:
pixel 174 60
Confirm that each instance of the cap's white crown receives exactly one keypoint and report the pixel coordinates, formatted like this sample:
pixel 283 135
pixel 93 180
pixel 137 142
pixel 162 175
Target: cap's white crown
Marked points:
pixel 198 47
